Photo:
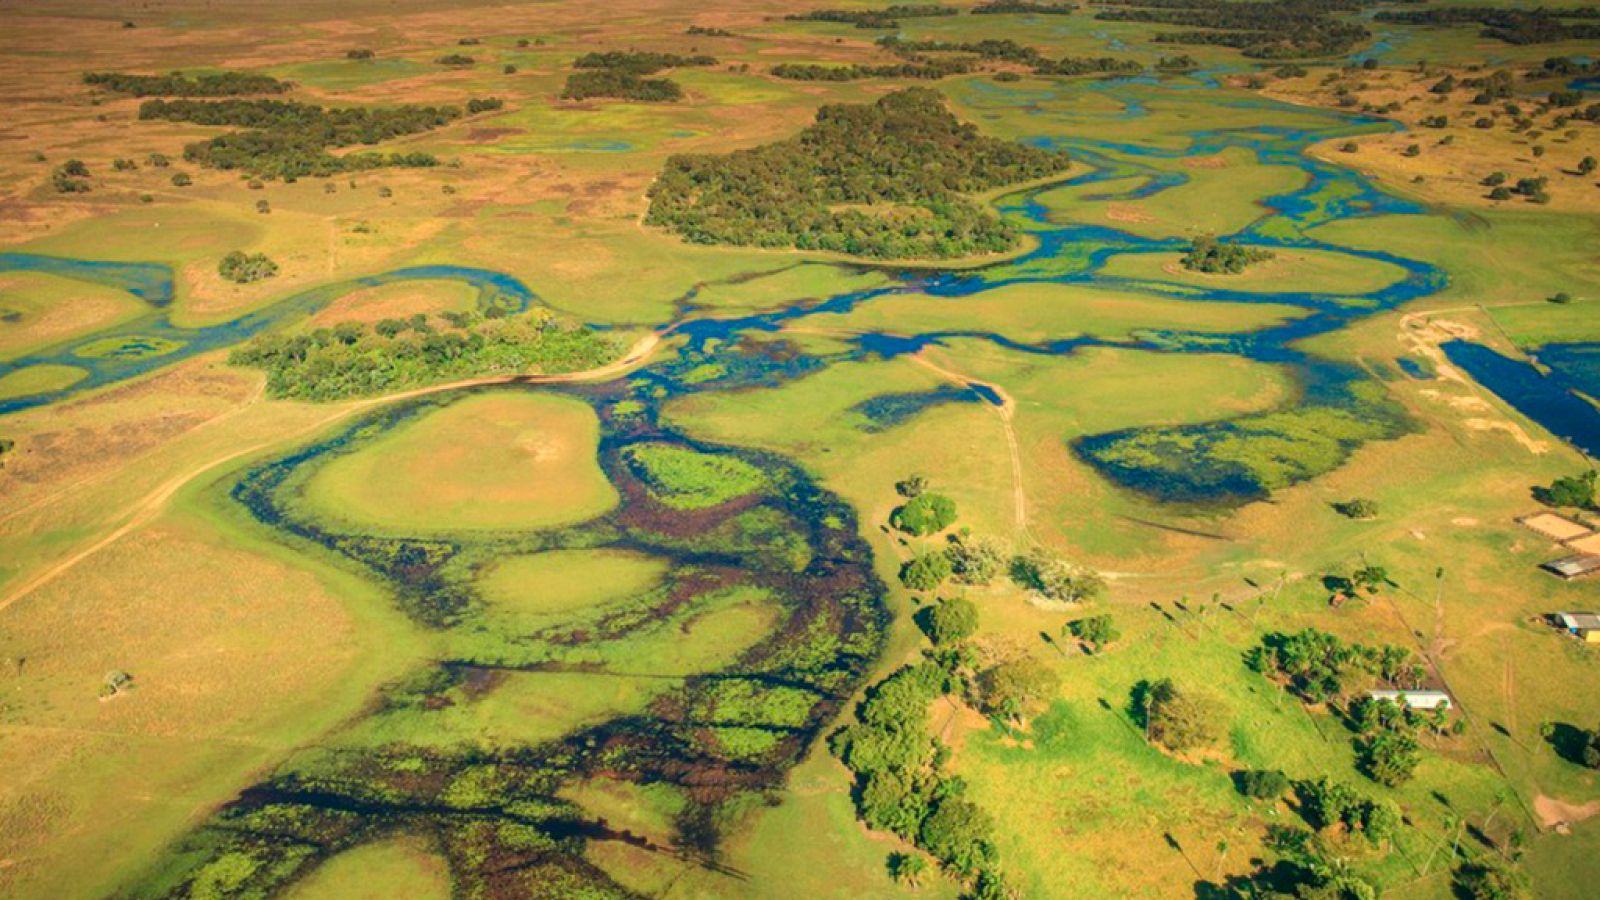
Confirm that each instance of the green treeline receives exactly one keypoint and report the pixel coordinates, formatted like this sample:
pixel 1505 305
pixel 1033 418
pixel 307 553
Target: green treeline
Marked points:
pixel 177 84
pixel 1005 50
pixel 288 139
pixel 350 361
pixel 1004 7
pixel 815 72
pixel 621 75
pixel 883 180
pixel 873 18
pixel 639 63
pixel 1540 25
pixel 1270 29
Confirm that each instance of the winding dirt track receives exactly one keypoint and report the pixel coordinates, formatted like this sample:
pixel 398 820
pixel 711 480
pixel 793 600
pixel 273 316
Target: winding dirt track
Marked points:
pixel 146 509
pixel 1006 410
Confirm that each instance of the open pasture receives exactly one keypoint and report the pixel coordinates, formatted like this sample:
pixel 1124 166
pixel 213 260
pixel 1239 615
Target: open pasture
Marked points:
pixel 491 462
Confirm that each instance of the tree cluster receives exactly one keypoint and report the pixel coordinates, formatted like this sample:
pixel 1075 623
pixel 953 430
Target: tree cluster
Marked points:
pixel 177 84
pixel 882 180
pixel 1317 666
pixel 620 74
pixel 288 139
pixel 242 268
pixel 901 786
pixel 348 360
pixel 1207 254
pixel 71 177
pixel 1326 803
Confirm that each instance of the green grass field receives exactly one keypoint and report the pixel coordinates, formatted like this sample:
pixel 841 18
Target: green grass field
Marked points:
pixel 491 462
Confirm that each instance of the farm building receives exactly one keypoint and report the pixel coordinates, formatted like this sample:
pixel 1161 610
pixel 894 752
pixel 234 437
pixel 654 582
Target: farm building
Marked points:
pixel 1570 567
pixel 1585 625
pixel 1414 699
pixel 1556 528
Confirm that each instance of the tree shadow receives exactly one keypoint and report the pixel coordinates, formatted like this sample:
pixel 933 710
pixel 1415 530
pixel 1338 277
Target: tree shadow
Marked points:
pixel 1568 741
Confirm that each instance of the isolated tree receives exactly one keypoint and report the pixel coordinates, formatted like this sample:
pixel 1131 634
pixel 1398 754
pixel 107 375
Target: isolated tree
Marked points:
pixel 911 486
pixel 1055 579
pixel 950 621
pixel 1017 689
pixel 1357 508
pixel 1180 720
pixel 1262 784
pixel 925 572
pixel 974 560
pixel 1571 490
pixel 907 868
pixel 1096 631
pixel 1586 166
pixel 924 514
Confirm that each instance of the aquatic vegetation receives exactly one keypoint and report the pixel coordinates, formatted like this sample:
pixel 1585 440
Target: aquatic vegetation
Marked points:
pixel 688 479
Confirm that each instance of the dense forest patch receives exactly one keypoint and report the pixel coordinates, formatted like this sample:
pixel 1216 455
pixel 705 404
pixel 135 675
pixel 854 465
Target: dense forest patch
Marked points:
pixel 882 180
pixel 289 139
pixel 350 361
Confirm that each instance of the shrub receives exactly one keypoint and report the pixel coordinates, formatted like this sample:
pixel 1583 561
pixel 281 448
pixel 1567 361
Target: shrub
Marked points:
pixel 1054 579
pixel 1487 880
pixel 1016 689
pixel 1357 508
pixel 974 560
pixel 181 179
pixel 1179 720
pixel 1096 631
pixel 1261 784
pixel 959 834
pixel 1571 490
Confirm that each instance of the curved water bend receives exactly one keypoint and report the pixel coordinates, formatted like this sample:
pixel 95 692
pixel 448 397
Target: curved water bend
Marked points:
pixel 153 340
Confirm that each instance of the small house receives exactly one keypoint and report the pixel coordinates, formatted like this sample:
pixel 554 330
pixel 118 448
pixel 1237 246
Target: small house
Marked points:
pixel 1570 567
pixel 1585 626
pixel 1414 699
